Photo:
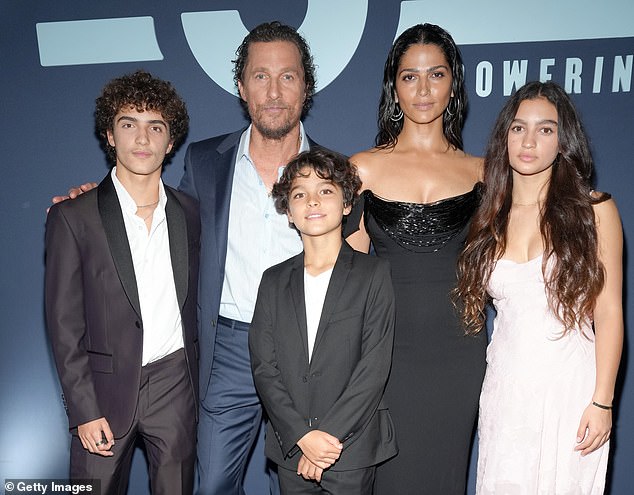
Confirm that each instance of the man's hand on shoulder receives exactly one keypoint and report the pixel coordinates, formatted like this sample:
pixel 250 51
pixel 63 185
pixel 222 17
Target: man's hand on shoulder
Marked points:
pixel 96 437
pixel 73 192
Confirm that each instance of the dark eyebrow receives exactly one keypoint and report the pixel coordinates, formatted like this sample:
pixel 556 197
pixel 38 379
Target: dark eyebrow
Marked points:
pixel 283 70
pixel 436 67
pixel 320 183
pixel 541 122
pixel 428 70
pixel 295 186
pixel 134 119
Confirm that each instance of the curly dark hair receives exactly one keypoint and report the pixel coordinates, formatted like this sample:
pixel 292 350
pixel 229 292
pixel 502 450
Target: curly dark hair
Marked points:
pixel 327 165
pixel 455 113
pixel 567 221
pixel 276 31
pixel 142 91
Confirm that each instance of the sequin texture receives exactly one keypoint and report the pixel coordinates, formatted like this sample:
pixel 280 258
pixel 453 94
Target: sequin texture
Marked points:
pixel 423 227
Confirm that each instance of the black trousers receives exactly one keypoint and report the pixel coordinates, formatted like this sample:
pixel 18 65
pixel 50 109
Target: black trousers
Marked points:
pixel 355 482
pixel 166 422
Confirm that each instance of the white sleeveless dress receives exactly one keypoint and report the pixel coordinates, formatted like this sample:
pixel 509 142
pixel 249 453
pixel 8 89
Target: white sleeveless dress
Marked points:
pixel 536 388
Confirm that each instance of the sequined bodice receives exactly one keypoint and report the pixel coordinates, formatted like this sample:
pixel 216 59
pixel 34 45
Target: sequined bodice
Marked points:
pixel 422 227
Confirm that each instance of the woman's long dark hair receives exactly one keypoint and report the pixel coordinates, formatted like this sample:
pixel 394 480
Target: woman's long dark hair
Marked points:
pixel 567 220
pixel 455 113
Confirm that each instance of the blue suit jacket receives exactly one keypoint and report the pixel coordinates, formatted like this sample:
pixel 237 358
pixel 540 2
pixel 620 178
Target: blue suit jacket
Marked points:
pixel 209 168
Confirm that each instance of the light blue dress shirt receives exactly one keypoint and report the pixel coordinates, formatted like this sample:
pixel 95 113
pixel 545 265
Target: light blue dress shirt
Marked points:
pixel 259 237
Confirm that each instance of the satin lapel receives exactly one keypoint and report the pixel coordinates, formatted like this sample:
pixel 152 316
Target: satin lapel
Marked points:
pixel 299 300
pixel 177 232
pixel 112 221
pixel 340 273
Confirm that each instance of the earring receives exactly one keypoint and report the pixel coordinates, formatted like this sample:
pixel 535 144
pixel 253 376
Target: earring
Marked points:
pixel 396 116
pixel 455 101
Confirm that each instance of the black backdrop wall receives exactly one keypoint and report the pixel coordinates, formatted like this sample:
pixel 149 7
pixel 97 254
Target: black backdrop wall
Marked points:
pixel 53 67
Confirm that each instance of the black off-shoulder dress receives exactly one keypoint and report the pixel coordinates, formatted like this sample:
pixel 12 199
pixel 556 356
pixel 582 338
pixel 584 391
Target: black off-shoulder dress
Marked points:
pixel 437 370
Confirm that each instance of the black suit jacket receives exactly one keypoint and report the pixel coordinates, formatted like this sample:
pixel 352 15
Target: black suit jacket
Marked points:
pixel 92 303
pixel 340 391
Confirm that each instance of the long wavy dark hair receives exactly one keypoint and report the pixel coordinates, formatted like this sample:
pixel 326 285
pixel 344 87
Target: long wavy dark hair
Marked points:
pixel 455 113
pixel 575 276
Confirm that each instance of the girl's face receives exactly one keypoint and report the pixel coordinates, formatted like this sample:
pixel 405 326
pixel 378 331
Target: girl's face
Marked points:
pixel 423 83
pixel 533 138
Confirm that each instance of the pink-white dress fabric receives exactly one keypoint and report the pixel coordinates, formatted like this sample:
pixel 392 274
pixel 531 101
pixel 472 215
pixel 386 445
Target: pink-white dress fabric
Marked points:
pixel 536 387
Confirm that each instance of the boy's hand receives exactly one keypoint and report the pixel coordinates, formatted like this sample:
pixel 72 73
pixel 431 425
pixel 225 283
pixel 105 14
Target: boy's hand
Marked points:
pixel 96 437
pixel 321 448
pixel 308 470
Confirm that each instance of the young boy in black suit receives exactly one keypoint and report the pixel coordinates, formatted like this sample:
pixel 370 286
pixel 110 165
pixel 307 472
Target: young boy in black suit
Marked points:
pixel 321 340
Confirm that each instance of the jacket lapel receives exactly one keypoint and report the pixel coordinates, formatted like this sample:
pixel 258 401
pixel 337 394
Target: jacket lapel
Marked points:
pixel 299 300
pixel 178 240
pixel 112 221
pixel 222 184
pixel 338 279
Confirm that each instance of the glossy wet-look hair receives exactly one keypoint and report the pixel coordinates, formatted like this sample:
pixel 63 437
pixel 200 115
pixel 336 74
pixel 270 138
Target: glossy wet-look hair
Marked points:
pixel 455 113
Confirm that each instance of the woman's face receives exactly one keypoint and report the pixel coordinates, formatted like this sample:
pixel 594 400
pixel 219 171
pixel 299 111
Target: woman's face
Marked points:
pixel 423 83
pixel 533 138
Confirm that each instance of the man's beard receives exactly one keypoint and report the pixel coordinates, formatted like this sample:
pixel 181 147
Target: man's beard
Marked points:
pixel 277 132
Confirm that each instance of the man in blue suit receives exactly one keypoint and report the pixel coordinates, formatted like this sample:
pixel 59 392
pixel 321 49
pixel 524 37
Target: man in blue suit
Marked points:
pixel 242 235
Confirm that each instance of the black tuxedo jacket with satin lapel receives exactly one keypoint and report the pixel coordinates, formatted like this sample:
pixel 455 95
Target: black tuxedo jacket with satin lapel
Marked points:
pixel 92 303
pixel 209 169
pixel 340 391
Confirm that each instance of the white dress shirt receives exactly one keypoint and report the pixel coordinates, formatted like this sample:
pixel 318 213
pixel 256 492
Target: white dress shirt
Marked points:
pixel 162 328
pixel 259 237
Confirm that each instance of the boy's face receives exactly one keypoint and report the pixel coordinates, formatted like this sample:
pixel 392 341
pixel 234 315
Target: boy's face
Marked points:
pixel 315 205
pixel 141 141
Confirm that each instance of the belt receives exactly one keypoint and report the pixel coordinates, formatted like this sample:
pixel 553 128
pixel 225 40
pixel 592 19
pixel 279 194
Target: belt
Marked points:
pixel 233 324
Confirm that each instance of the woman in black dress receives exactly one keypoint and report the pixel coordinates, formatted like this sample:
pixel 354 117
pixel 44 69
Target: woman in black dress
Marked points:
pixel 420 191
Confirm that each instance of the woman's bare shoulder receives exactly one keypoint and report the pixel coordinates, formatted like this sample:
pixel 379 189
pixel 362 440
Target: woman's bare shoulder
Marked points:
pixel 473 164
pixel 369 163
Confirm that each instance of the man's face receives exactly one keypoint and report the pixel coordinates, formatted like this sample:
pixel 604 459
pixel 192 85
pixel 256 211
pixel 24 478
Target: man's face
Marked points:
pixel 273 87
pixel 141 141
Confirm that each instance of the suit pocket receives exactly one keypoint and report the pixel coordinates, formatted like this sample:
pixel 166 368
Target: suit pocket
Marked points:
pixel 99 362
pixel 345 314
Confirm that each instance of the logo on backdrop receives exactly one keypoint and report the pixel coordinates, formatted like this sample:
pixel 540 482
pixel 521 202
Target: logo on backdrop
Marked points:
pixel 79 42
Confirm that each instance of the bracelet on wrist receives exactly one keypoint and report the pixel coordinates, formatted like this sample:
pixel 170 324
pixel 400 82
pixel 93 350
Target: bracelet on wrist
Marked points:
pixel 601 406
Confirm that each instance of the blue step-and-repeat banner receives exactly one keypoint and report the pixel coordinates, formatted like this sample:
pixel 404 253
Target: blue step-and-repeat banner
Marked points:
pixel 56 57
